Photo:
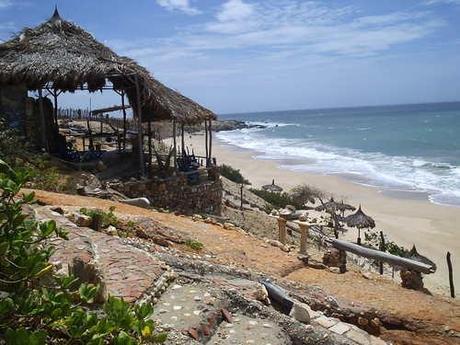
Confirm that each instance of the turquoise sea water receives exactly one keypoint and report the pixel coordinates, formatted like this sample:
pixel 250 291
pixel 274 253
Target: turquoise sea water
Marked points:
pixel 413 148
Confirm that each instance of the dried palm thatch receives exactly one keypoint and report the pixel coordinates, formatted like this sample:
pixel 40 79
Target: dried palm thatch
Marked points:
pixel 359 220
pixel 61 53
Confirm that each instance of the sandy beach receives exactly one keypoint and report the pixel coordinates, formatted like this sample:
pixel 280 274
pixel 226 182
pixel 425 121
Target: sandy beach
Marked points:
pixel 407 221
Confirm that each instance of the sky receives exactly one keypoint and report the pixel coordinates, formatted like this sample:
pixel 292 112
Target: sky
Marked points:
pixel 264 55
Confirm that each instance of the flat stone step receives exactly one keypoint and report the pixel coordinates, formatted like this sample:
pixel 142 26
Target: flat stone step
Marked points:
pixel 125 271
pixel 246 330
pixel 184 306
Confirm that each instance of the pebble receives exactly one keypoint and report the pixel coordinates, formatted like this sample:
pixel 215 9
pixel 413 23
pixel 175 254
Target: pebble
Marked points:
pixel 176 286
pixel 253 323
pixel 266 325
pixel 177 307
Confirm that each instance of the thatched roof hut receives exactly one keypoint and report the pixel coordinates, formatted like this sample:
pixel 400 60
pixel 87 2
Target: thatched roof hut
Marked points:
pixel 360 220
pixel 63 55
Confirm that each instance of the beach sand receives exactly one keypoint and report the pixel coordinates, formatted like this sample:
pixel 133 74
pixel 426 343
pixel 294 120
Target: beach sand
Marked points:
pixel 434 229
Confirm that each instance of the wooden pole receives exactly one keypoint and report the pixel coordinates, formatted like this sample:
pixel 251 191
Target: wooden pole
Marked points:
pixel 183 139
pixel 175 144
pixel 150 145
pixel 140 136
pixel 124 119
pixel 241 196
pixel 42 120
pixel 304 230
pixel 282 234
pixel 210 140
pixel 451 275
pixel 382 248
pixel 378 255
pixel 206 140
pixel 55 95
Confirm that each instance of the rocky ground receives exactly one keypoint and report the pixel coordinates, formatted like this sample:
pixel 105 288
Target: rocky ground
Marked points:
pixel 212 295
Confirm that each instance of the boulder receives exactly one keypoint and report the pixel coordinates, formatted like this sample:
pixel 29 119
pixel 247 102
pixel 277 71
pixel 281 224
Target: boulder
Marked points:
pixel 300 312
pixel 81 219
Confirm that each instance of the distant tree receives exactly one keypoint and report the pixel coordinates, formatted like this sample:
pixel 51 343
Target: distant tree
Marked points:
pixel 304 194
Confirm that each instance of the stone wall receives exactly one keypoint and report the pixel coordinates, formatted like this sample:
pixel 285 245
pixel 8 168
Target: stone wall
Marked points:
pixel 176 194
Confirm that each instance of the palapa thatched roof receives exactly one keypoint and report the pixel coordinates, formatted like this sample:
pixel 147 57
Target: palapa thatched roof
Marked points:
pixel 63 54
pixel 359 220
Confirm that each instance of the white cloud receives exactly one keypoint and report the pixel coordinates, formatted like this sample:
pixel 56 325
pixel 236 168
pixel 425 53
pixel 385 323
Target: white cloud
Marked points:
pixel 447 2
pixel 5 3
pixel 245 37
pixel 179 5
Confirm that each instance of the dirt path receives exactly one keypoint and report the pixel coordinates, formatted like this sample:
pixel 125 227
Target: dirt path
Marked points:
pixel 239 249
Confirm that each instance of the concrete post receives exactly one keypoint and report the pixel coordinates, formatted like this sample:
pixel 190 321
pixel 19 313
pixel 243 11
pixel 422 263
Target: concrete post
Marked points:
pixel 282 230
pixel 304 230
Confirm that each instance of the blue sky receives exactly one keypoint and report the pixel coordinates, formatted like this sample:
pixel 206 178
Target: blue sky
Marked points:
pixel 256 55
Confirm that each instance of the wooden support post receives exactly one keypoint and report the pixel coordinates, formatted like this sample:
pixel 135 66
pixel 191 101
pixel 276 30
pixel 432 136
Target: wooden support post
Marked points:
pixel 150 145
pixel 304 230
pixel 175 144
pixel 451 275
pixel 210 140
pixel 282 233
pixel 182 139
pixel 359 236
pixel 124 119
pixel 241 196
pixel 140 136
pixel 55 112
pixel 382 248
pixel 42 120
pixel 206 141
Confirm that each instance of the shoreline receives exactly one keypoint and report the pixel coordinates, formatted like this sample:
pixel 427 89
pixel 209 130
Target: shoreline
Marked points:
pixel 433 228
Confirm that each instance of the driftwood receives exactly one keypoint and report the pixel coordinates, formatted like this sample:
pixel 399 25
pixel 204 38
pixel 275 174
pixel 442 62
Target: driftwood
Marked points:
pixel 381 256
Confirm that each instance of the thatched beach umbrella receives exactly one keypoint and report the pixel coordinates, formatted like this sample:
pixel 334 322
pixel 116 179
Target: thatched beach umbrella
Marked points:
pixel 359 220
pixel 272 188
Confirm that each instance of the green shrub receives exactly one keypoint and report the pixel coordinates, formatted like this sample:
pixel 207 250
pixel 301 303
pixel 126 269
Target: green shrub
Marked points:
pixel 232 174
pixel 278 200
pixel 194 244
pixel 37 306
pixel 108 218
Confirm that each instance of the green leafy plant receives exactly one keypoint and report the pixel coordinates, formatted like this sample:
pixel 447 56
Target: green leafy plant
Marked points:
pixel 37 306
pixel 108 218
pixel 278 200
pixel 194 244
pixel 233 174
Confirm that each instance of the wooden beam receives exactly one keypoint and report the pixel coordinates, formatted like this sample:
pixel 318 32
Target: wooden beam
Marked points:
pixel 206 141
pixel 150 146
pixel 210 141
pixel 140 136
pixel 124 118
pixel 175 144
pixel 381 256
pixel 42 120
pixel 183 139
pixel 451 275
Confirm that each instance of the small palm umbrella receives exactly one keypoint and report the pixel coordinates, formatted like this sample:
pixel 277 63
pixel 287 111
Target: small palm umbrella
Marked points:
pixel 359 220
pixel 273 188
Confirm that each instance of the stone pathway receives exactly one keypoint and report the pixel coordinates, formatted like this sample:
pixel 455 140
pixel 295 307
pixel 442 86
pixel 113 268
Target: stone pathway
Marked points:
pixel 125 271
pixel 186 310
pixel 246 330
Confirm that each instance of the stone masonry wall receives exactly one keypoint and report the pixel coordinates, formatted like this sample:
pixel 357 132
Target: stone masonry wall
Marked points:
pixel 176 194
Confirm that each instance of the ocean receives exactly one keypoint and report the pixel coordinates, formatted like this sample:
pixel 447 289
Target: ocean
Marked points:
pixel 412 149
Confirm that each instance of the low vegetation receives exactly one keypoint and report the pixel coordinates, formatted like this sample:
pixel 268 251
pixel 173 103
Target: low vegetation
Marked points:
pixel 38 306
pixel 106 218
pixel 372 239
pixel 233 174
pixel 194 244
